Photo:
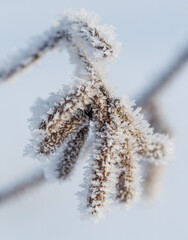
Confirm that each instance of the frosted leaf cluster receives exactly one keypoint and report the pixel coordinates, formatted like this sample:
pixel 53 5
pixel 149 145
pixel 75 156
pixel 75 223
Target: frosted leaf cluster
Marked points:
pixel 60 125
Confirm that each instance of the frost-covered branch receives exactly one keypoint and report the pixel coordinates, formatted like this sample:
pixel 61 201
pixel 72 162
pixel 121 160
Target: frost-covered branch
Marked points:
pixel 61 123
pixel 71 26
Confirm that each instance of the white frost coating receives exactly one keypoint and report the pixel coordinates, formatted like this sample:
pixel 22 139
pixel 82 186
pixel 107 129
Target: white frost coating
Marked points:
pixel 89 184
pixel 161 143
pixel 50 167
pixel 86 30
pixel 164 155
pixel 41 111
pixel 121 135
pixel 78 29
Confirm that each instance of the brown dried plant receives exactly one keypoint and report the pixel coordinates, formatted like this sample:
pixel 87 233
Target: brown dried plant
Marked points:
pixel 60 125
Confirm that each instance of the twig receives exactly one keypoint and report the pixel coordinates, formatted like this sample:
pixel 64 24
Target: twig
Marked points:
pixel 54 36
pixel 33 180
pixel 154 175
pixel 166 77
pixel 66 31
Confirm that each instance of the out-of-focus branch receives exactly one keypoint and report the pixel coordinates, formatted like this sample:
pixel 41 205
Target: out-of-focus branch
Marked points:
pixel 154 181
pixel 33 180
pixel 154 114
pixel 165 78
pixel 154 174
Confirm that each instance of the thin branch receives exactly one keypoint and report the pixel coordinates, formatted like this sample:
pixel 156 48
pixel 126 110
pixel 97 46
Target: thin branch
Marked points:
pixel 165 78
pixel 31 57
pixel 33 180
pixel 67 30
pixel 154 175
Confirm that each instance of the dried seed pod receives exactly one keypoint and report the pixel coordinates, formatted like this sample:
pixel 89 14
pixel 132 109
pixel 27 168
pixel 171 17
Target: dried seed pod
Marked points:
pixel 71 153
pixel 128 185
pixel 60 131
pixel 100 182
pixel 61 164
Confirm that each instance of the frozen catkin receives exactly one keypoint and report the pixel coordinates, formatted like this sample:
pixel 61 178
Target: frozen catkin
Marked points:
pixel 60 125
pixel 139 143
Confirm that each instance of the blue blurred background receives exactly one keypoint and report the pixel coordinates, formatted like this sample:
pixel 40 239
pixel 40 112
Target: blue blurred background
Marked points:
pixel 152 34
